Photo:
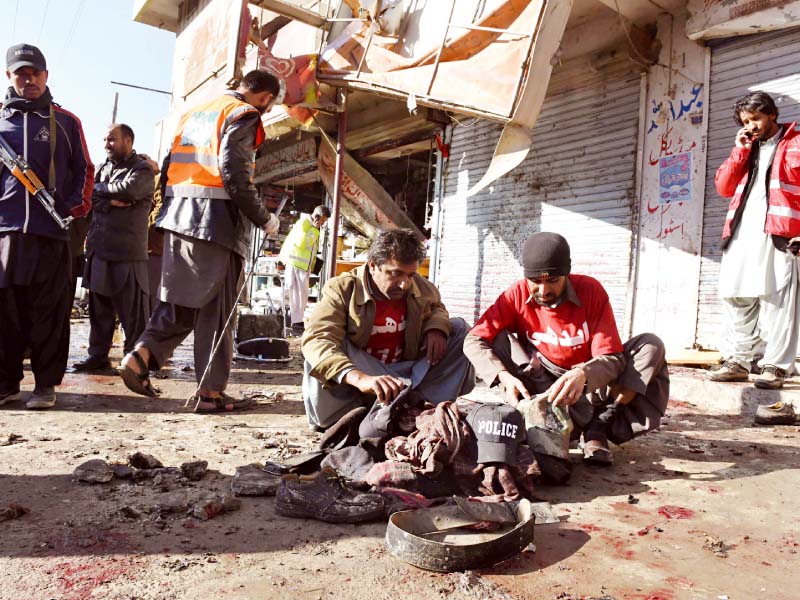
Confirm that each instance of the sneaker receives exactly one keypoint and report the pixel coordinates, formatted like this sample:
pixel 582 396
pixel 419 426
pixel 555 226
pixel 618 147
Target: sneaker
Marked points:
pixel 43 397
pixel 729 371
pixel 6 397
pixel 92 363
pixel 771 378
pixel 779 413
pixel 326 498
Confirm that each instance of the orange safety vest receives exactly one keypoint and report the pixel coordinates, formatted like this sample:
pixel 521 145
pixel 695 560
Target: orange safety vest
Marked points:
pixel 194 167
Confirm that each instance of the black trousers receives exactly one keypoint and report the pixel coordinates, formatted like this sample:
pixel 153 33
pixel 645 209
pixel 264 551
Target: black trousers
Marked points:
pixel 133 307
pixel 645 373
pixel 36 316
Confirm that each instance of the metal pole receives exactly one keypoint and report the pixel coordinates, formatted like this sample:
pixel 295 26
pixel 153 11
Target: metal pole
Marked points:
pixel 114 112
pixel 337 186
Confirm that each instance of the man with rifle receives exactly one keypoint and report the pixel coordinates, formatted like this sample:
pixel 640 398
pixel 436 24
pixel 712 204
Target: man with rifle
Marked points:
pixel 36 291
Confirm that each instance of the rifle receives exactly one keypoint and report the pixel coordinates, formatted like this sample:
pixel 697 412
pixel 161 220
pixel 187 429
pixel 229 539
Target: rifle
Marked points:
pixel 20 169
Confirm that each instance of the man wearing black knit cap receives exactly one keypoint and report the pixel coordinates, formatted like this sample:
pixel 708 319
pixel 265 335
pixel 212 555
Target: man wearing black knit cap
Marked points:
pixel 555 332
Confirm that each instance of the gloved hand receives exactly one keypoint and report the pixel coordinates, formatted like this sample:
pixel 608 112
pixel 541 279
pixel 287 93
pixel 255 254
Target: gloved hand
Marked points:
pixel 272 225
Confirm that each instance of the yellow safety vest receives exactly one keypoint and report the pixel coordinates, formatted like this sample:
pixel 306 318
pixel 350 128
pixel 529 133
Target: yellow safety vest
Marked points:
pixel 300 246
pixel 194 168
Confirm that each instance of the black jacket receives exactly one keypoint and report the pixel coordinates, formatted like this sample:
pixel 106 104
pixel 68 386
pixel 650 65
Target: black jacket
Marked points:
pixel 224 222
pixel 120 233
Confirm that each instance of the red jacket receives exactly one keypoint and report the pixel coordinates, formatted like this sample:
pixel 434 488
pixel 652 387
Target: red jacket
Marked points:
pixel 783 212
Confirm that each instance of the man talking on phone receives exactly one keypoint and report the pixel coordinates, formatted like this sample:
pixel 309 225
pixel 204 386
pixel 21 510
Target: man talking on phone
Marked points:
pixel 760 240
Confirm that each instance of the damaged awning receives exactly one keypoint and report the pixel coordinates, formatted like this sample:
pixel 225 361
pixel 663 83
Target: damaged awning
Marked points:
pixel 486 58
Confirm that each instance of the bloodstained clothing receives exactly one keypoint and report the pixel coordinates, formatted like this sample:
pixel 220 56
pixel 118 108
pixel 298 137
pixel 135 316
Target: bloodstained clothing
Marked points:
pixel 580 328
pixel 387 338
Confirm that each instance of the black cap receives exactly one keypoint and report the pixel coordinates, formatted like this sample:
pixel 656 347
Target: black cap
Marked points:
pixel 499 428
pixel 25 55
pixel 546 254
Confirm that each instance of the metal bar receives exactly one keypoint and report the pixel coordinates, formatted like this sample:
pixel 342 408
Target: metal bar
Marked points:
pixel 114 111
pixel 441 47
pixel 437 223
pixel 491 30
pixel 293 11
pixel 364 56
pixel 141 87
pixel 526 64
pixel 338 176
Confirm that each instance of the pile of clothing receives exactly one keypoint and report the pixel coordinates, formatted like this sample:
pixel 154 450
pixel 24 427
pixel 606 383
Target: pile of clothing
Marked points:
pixel 409 454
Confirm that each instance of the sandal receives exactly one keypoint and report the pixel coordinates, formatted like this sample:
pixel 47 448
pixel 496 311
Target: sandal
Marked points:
pixel 222 404
pixel 139 383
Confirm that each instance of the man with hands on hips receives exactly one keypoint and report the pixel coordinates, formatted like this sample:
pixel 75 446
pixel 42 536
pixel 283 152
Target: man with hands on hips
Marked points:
pixel 555 332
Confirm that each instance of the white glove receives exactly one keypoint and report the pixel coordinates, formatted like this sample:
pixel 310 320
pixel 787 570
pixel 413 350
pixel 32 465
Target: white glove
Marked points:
pixel 272 225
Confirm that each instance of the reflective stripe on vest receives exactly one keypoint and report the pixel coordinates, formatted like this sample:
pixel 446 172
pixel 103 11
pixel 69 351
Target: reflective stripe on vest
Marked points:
pixel 777 184
pixel 783 211
pixel 197 191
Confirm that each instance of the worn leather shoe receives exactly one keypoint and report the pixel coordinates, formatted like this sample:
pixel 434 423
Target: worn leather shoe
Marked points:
pixel 326 498
pixel 92 363
pixel 729 371
pixel 597 452
pixel 771 378
pixel 779 413
pixel 42 397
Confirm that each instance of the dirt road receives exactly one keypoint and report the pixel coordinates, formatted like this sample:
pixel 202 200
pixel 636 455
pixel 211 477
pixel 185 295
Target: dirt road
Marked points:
pixel 703 509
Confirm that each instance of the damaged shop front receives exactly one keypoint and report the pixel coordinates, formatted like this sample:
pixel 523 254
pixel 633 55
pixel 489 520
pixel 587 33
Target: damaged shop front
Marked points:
pixel 479 123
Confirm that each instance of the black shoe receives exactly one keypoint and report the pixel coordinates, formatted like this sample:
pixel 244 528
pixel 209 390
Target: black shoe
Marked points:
pixel 92 363
pixel 326 498
pixel 13 396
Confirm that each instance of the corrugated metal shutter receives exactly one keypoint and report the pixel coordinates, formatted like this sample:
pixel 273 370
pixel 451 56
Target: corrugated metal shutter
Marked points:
pixel 740 65
pixel 578 180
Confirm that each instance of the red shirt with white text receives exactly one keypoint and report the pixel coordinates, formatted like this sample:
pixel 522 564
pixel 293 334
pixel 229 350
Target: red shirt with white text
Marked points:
pixel 387 339
pixel 567 335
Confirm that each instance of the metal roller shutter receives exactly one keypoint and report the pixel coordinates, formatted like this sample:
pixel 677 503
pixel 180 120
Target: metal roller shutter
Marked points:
pixel 578 180
pixel 740 65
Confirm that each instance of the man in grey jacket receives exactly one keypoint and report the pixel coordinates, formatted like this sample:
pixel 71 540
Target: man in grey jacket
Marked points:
pixel 116 265
pixel 210 206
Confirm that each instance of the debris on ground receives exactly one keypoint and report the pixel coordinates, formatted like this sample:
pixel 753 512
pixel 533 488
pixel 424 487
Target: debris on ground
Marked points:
pixel 471 585
pixel 121 471
pixel 716 545
pixel 142 460
pixel 12 511
pixel 12 438
pixel 213 506
pixel 93 471
pixel 195 470
pixel 253 480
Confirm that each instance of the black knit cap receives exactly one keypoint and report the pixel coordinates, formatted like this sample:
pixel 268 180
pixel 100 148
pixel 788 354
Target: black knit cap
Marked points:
pixel 545 254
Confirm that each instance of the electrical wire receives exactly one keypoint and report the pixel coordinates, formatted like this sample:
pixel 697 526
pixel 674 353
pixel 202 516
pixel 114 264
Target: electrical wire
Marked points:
pixel 644 61
pixel 14 25
pixel 73 27
pixel 44 18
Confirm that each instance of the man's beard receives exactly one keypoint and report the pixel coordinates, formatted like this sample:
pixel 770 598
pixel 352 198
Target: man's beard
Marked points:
pixel 550 302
